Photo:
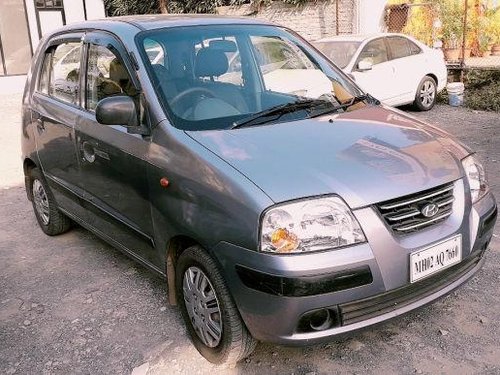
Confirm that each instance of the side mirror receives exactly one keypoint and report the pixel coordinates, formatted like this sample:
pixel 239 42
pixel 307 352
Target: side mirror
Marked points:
pixel 117 110
pixel 365 65
pixel 120 110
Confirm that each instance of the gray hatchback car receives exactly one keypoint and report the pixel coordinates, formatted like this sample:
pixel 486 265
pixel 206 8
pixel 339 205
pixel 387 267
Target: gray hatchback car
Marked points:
pixel 280 202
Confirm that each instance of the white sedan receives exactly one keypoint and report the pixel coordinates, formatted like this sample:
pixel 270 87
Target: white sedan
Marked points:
pixel 394 68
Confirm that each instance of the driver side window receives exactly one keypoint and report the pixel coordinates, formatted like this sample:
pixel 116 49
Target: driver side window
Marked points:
pixel 374 52
pixel 106 76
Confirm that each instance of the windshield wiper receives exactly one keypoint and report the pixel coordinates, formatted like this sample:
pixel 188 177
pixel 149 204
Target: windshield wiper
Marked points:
pixel 278 111
pixel 343 106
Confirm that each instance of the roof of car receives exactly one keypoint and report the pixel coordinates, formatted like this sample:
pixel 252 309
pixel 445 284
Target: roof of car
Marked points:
pixel 356 37
pixel 157 21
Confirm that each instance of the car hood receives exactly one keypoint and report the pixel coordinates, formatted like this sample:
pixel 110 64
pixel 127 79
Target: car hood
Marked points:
pixel 365 156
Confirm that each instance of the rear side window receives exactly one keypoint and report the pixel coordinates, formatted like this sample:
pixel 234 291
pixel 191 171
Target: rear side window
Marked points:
pixel 43 82
pixel 64 73
pixel 402 47
pixel 414 49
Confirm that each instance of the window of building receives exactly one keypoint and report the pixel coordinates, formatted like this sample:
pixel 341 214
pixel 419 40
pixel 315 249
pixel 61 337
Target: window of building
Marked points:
pixel 49 4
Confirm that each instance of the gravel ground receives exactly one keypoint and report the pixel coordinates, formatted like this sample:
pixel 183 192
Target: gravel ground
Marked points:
pixel 72 304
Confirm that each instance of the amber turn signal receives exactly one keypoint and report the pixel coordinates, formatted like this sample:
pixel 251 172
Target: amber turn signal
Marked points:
pixel 164 182
pixel 284 241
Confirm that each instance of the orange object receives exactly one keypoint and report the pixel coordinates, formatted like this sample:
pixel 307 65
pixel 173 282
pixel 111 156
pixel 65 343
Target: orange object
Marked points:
pixel 164 182
pixel 284 241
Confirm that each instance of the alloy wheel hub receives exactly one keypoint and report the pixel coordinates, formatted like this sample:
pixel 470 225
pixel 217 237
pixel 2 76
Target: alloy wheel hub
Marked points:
pixel 427 93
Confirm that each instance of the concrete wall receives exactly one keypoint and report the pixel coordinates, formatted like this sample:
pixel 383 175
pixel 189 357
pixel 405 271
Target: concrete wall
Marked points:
pixel 313 20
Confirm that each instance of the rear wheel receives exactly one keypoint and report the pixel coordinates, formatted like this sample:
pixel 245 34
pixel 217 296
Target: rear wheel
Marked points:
pixel 50 219
pixel 211 317
pixel 426 95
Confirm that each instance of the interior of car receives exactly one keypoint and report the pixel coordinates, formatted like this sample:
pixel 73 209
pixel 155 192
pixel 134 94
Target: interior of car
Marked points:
pixel 211 78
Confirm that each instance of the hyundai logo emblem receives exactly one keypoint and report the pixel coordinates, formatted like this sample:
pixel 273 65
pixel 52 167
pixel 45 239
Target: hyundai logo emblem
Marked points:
pixel 429 210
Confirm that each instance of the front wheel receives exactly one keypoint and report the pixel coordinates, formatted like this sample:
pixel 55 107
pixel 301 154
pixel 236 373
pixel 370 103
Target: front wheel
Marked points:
pixel 426 95
pixel 211 317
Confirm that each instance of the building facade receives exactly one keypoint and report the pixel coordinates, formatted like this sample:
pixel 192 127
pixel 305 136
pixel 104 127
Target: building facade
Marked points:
pixel 24 22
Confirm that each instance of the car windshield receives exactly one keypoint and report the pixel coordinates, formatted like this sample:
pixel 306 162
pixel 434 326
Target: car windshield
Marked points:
pixel 213 77
pixel 340 52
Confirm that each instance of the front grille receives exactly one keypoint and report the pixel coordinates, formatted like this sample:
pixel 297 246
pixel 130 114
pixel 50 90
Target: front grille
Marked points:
pixel 404 215
pixel 357 311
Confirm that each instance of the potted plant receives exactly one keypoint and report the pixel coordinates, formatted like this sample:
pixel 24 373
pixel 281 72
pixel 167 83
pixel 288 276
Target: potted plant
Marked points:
pixel 451 14
pixel 495 33
pixel 485 45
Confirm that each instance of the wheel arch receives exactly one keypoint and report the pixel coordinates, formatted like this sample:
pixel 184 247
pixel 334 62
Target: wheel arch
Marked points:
pixel 176 245
pixel 433 76
pixel 28 166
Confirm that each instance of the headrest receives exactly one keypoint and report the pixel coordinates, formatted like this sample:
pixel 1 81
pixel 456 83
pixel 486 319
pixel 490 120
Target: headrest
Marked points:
pixel 117 71
pixel 210 63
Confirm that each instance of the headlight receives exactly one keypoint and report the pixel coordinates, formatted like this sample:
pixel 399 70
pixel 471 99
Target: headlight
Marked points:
pixel 309 225
pixel 475 175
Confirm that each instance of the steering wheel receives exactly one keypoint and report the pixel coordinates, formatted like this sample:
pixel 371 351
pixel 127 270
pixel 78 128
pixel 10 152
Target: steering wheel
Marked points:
pixel 191 91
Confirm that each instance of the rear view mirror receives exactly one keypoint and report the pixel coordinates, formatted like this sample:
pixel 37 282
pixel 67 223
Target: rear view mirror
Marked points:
pixel 117 110
pixel 364 65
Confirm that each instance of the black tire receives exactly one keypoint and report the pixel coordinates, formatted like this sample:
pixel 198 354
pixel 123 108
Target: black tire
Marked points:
pixel 426 95
pixel 50 219
pixel 235 343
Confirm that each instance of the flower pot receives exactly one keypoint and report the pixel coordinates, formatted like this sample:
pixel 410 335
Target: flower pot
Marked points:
pixel 451 54
pixel 495 50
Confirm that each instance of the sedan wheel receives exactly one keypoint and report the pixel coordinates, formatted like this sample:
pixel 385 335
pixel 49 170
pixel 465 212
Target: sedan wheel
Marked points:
pixel 425 97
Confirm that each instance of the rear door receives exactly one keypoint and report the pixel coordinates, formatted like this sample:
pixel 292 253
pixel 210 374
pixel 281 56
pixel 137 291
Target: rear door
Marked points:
pixel 55 110
pixel 113 163
pixel 379 80
pixel 408 62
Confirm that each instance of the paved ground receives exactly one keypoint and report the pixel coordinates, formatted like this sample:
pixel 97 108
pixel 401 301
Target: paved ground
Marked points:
pixel 72 304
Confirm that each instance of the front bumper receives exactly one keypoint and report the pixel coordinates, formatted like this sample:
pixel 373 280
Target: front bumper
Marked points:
pixel 274 311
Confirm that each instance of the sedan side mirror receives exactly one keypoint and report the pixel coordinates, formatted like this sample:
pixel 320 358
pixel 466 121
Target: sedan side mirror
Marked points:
pixel 119 110
pixel 365 65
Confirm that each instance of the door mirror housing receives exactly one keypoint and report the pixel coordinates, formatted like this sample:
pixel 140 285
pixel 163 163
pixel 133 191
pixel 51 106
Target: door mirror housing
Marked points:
pixel 365 65
pixel 120 110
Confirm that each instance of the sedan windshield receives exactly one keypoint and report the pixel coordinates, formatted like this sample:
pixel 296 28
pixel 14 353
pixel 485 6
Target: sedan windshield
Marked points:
pixel 339 52
pixel 213 77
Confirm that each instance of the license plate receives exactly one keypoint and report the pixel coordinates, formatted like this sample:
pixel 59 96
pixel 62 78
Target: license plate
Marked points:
pixel 428 261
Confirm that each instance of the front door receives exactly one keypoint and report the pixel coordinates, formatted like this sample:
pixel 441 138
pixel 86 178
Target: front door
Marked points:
pixel 113 163
pixel 379 80
pixel 55 110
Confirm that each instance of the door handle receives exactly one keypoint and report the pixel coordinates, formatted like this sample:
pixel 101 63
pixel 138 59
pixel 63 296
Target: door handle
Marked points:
pixel 88 152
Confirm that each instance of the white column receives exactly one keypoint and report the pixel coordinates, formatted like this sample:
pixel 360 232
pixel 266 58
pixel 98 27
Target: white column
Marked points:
pixel 371 16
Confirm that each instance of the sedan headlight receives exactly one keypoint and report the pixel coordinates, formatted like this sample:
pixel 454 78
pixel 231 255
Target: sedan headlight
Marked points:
pixel 309 225
pixel 475 174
